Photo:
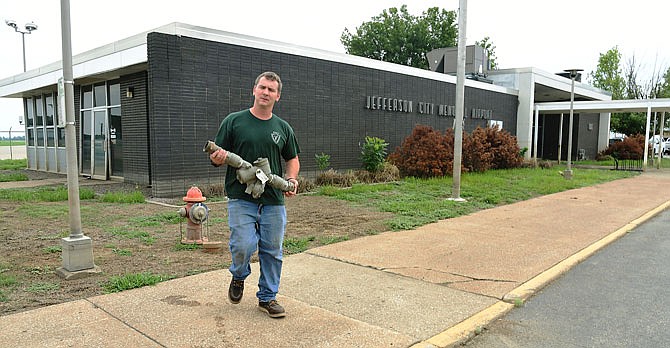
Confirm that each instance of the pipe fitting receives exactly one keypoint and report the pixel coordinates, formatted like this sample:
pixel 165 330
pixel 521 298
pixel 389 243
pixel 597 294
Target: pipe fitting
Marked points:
pixel 232 159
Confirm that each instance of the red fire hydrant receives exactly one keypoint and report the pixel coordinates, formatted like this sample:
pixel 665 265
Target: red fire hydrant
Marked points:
pixel 196 214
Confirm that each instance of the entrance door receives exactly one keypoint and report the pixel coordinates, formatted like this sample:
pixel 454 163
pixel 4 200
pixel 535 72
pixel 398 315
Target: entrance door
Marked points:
pixel 94 147
pixel 115 142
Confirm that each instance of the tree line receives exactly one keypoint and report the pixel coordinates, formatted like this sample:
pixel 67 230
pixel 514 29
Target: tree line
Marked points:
pixel 399 37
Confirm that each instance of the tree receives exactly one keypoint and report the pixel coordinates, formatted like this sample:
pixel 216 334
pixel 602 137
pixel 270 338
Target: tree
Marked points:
pixel 665 86
pixel 608 74
pixel 396 36
pixel 490 52
pixel 624 83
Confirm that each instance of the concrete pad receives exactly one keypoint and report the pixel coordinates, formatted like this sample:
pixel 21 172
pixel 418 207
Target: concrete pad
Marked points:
pixel 409 306
pixel 195 312
pixel 499 248
pixel 71 324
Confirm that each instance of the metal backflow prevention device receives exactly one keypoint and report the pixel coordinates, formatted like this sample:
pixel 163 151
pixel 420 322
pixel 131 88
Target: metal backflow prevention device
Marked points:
pixel 255 175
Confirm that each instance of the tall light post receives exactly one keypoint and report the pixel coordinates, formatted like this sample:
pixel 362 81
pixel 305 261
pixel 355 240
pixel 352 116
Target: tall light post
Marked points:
pixel 460 102
pixel 567 174
pixel 29 28
pixel 77 249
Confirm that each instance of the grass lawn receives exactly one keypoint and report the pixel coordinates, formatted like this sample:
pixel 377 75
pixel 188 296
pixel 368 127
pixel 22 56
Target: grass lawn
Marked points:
pixel 416 202
pixel 13 143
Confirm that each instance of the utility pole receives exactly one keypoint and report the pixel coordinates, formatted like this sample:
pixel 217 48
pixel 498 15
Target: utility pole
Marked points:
pixel 460 100
pixel 567 173
pixel 77 249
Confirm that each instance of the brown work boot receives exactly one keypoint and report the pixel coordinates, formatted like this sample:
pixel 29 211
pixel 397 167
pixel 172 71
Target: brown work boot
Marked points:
pixel 272 308
pixel 235 291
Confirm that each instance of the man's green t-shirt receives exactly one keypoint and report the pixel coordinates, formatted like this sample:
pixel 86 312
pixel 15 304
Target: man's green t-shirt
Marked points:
pixel 252 138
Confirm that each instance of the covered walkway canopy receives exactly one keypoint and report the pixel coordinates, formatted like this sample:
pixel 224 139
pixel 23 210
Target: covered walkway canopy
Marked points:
pixel 605 106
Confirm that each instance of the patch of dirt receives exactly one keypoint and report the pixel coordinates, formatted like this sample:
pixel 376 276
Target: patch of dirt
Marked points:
pixel 136 238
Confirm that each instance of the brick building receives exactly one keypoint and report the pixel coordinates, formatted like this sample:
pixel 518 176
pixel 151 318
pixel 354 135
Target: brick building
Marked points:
pixel 145 105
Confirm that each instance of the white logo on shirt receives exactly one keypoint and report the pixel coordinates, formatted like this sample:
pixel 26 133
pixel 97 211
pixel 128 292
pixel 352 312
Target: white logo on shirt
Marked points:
pixel 276 137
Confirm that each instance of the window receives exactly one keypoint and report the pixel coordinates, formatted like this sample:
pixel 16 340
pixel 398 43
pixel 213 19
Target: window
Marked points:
pixel 87 97
pixel 51 137
pixel 99 95
pixel 115 94
pixel 31 137
pixel 39 112
pixel 30 112
pixel 40 136
pixel 61 137
pixel 50 110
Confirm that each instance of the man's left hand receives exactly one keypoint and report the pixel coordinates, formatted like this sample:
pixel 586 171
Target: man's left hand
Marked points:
pixel 295 188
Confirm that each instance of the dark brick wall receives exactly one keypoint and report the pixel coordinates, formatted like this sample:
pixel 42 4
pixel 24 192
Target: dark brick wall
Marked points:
pixel 588 139
pixel 195 83
pixel 582 137
pixel 136 161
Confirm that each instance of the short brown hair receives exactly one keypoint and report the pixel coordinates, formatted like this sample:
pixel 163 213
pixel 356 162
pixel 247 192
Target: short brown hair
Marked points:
pixel 272 76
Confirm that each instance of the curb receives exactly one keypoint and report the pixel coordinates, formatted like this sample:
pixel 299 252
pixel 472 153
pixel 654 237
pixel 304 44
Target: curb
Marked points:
pixel 472 326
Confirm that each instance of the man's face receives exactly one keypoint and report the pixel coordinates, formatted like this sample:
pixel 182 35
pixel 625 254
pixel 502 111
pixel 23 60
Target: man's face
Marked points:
pixel 266 92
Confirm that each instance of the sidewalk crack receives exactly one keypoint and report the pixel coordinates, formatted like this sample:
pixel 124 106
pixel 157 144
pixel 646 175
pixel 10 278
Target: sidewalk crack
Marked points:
pixel 467 278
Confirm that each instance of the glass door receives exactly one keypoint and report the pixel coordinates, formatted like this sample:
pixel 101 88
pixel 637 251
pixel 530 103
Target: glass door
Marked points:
pixel 86 136
pixel 99 154
pixel 94 144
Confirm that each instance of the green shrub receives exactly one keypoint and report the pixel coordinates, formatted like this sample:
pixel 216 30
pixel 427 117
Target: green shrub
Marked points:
pixel 322 161
pixel 373 153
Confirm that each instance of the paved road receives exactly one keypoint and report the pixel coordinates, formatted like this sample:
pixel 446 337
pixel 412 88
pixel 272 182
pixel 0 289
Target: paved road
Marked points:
pixel 13 152
pixel 616 298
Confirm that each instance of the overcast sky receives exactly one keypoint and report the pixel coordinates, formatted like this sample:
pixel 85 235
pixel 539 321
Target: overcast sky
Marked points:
pixel 549 35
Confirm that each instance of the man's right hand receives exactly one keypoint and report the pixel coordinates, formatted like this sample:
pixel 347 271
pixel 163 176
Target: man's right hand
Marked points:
pixel 218 157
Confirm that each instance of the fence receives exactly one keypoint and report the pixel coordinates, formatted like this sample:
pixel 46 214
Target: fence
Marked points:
pixel 13 144
pixel 628 164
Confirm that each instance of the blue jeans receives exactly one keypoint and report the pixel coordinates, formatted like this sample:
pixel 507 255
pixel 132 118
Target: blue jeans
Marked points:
pixel 257 227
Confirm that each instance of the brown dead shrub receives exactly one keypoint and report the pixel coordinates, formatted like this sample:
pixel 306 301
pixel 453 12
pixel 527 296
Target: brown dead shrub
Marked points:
pixel 427 152
pixel 332 177
pixel 387 173
pixel 424 153
pixel 629 148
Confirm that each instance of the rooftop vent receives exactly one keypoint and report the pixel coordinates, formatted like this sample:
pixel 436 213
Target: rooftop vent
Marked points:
pixel 444 60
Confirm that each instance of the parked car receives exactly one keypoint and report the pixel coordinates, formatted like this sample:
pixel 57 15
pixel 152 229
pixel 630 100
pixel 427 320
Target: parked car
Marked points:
pixel 665 144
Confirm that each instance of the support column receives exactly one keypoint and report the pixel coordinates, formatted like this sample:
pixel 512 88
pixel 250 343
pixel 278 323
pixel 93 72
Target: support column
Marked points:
pixel 560 139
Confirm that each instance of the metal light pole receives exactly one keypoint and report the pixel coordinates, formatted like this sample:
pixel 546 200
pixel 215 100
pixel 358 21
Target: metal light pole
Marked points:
pixel 567 174
pixel 29 28
pixel 460 96
pixel 77 249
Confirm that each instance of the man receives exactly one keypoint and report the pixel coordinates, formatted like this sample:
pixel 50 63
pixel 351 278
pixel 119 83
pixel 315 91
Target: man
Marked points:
pixel 258 223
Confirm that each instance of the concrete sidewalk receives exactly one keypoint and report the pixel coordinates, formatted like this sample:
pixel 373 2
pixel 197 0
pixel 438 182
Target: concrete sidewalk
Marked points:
pixel 429 287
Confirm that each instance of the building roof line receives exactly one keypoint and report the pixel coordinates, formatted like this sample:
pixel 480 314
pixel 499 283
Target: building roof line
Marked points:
pixel 100 56
pixel 604 106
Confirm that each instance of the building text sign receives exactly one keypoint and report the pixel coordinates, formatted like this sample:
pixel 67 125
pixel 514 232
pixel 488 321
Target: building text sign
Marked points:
pixel 374 102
